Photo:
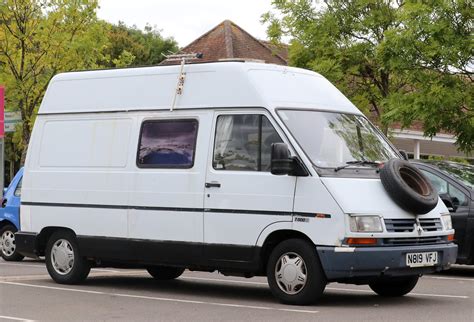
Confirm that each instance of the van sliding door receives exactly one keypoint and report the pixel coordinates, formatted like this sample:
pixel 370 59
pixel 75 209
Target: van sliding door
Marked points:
pixel 167 212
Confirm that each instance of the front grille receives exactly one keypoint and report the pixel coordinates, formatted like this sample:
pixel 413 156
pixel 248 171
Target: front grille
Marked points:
pixel 408 225
pixel 400 225
pixel 414 241
pixel 431 224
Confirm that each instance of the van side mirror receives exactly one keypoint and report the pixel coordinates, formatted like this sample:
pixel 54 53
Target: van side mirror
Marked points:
pixel 281 162
pixel 404 154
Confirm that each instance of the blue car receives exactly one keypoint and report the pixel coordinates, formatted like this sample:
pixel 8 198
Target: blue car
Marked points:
pixel 10 219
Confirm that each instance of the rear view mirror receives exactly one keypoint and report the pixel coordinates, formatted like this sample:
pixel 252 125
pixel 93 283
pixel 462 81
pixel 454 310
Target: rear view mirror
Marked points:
pixel 281 162
pixel 404 154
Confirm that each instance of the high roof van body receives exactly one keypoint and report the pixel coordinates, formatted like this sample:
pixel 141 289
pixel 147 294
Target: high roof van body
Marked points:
pixel 245 168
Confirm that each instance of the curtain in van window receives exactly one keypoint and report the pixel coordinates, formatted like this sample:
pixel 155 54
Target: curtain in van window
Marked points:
pixel 243 142
pixel 223 133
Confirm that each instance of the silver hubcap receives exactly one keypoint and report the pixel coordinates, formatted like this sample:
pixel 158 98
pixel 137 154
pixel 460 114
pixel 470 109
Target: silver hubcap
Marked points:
pixel 7 243
pixel 62 256
pixel 291 273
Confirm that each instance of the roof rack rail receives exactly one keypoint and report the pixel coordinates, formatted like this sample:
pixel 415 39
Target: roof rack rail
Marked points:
pixel 242 60
pixel 182 74
pixel 174 57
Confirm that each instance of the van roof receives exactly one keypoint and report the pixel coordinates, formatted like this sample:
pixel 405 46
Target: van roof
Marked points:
pixel 207 85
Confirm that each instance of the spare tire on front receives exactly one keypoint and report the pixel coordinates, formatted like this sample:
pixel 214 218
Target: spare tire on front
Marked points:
pixel 408 187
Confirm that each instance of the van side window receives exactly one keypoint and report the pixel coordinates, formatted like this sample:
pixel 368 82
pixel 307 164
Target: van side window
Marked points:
pixel 167 144
pixel 243 143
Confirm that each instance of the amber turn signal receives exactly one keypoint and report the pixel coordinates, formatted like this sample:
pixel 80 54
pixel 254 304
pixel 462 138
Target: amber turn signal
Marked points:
pixel 361 241
pixel 450 237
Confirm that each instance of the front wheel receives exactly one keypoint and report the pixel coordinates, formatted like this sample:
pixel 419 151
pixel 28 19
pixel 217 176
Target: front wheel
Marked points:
pixel 164 273
pixel 395 286
pixel 294 273
pixel 8 245
pixel 63 261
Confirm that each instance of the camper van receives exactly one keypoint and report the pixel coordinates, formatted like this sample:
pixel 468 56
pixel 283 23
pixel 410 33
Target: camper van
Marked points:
pixel 244 168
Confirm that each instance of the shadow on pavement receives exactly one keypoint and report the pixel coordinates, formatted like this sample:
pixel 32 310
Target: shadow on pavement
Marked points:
pixel 459 271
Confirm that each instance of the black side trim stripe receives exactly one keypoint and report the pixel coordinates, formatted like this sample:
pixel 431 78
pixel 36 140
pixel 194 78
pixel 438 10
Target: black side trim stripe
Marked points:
pixel 177 209
pixel 253 212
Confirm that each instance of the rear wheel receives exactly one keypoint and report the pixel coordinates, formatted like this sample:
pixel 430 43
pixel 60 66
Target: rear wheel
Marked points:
pixel 294 273
pixel 8 245
pixel 63 261
pixel 395 286
pixel 164 273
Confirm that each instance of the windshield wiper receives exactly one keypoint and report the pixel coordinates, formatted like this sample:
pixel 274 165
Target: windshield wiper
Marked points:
pixel 356 162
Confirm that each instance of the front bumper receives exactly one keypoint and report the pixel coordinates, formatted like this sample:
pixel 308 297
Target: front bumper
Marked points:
pixel 367 263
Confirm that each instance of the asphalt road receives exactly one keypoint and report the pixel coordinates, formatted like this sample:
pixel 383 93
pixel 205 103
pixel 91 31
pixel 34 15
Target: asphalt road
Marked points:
pixel 28 294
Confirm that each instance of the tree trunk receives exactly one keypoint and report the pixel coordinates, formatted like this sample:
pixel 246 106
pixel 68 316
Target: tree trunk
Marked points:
pixel 26 134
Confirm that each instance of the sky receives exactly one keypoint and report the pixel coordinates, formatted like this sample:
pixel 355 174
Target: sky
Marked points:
pixel 186 20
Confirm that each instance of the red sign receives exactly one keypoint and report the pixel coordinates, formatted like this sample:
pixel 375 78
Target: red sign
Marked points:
pixel 2 112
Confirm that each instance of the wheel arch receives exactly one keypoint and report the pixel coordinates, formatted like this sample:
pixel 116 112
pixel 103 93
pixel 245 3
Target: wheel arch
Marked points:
pixel 6 222
pixel 45 234
pixel 274 238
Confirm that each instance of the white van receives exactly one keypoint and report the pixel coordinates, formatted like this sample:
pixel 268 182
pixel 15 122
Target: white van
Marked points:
pixel 246 168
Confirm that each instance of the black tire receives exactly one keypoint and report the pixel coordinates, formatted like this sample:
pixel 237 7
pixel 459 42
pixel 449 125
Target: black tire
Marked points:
pixel 79 268
pixel 408 187
pixel 165 273
pixel 316 281
pixel 7 244
pixel 395 286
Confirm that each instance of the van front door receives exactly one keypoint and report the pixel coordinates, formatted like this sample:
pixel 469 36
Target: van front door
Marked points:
pixel 241 196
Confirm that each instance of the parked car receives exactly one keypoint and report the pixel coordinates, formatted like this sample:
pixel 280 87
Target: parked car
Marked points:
pixel 250 169
pixel 10 219
pixel 455 183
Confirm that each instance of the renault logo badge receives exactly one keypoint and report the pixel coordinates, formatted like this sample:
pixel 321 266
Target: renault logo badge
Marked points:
pixel 418 227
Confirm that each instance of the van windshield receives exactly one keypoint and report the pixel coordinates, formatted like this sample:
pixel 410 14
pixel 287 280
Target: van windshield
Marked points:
pixel 335 139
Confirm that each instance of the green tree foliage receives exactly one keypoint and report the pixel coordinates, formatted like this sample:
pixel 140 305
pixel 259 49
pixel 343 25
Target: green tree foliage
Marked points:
pixel 398 61
pixel 39 39
pixel 130 46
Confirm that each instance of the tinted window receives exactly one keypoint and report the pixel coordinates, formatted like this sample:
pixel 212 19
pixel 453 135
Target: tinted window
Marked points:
pixel 457 196
pixel 167 144
pixel 439 184
pixel 243 142
pixel 443 187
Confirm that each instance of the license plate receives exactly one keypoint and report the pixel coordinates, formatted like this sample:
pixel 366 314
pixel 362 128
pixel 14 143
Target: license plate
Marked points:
pixel 422 259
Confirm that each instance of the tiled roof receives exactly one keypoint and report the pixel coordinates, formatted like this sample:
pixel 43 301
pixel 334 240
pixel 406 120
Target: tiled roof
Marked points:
pixel 229 41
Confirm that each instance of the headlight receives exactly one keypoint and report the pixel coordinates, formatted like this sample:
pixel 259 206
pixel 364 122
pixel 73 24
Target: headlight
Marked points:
pixel 446 219
pixel 365 224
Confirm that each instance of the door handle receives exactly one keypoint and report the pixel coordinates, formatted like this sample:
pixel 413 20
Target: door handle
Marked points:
pixel 213 185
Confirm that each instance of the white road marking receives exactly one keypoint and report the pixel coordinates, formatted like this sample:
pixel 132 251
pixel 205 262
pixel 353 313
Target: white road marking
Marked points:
pixel 25 265
pixel 42 265
pixel 450 278
pixel 125 273
pixel 327 288
pixel 221 280
pixel 164 299
pixel 4 317
pixel 106 270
